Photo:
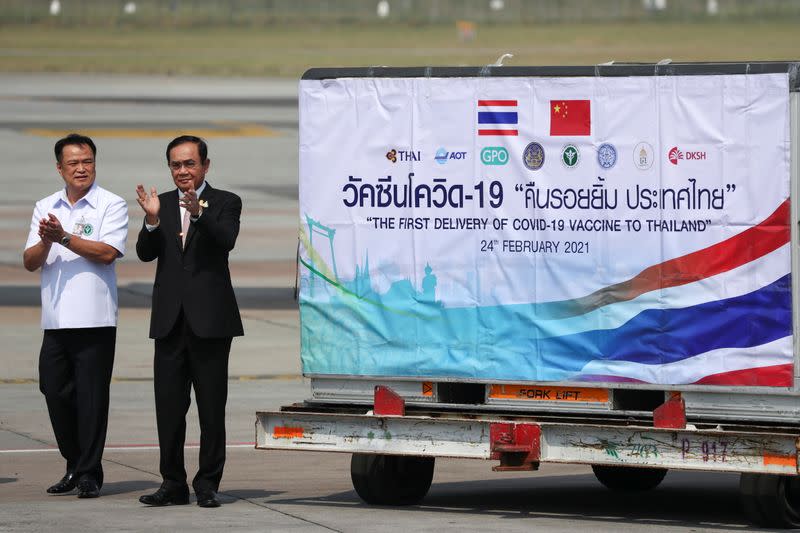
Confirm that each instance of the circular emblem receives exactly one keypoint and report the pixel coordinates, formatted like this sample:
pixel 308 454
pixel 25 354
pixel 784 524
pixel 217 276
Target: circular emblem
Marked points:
pixel 87 229
pixel 570 155
pixel 643 156
pixel 533 156
pixel 607 155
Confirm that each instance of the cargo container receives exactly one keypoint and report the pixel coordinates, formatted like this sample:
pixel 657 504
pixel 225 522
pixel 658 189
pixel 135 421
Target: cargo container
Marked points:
pixel 550 264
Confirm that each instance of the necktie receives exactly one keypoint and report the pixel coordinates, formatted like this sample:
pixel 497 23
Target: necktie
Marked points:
pixel 185 226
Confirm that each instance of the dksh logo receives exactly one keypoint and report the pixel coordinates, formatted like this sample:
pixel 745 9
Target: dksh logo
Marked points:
pixel 403 155
pixel 675 155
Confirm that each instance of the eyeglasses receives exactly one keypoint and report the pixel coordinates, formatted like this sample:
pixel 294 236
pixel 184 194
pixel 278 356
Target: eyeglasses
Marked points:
pixel 189 164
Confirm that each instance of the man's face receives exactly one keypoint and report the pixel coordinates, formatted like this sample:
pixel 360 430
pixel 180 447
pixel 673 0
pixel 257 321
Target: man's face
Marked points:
pixel 188 172
pixel 77 168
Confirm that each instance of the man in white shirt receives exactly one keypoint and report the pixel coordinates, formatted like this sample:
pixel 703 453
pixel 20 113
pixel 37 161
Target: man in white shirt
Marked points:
pixel 76 235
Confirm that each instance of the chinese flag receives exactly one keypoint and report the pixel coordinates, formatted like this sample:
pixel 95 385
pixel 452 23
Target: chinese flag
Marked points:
pixel 570 117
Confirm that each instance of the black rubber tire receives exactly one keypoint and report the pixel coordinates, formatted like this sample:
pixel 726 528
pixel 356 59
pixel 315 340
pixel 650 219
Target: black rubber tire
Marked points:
pixel 628 478
pixel 749 499
pixel 391 479
pixel 771 500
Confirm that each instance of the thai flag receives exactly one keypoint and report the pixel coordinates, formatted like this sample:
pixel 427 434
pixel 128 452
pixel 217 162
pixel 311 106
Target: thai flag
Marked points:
pixel 497 117
pixel 721 315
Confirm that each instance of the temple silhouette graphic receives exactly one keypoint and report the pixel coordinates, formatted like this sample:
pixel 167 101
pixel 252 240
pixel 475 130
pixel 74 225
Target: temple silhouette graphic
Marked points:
pixel 401 295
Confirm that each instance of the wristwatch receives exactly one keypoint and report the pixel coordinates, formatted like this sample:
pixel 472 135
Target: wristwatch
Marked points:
pixel 65 240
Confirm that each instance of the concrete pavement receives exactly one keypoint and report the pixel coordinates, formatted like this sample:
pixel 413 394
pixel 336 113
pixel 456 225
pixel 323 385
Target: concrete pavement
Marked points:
pixel 253 140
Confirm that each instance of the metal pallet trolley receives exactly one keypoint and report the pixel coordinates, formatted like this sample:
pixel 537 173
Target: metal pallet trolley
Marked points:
pixel 631 427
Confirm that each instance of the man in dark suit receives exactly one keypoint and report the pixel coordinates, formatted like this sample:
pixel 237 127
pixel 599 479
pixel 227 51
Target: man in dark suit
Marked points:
pixel 190 230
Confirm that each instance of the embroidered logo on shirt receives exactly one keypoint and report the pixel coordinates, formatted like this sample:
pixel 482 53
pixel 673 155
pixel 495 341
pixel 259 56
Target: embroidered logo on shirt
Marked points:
pixel 77 229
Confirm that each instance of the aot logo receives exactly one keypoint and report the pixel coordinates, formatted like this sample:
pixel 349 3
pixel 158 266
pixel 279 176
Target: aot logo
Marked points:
pixel 676 155
pixel 494 155
pixel 403 155
pixel 442 156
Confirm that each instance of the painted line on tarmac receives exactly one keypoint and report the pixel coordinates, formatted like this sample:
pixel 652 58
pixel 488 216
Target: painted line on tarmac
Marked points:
pixel 128 447
pixel 225 130
pixel 269 101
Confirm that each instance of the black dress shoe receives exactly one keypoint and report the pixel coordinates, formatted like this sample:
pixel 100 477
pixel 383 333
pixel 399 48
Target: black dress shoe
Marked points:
pixel 163 497
pixel 207 499
pixel 66 484
pixel 88 488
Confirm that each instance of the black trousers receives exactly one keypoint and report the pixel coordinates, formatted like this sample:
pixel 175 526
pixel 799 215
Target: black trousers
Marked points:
pixel 184 360
pixel 74 375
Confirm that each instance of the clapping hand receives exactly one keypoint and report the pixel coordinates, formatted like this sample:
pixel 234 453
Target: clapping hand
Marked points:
pixel 50 229
pixel 190 202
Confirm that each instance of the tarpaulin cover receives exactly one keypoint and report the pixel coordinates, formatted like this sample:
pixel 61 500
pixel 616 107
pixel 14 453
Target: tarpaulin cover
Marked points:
pixel 599 229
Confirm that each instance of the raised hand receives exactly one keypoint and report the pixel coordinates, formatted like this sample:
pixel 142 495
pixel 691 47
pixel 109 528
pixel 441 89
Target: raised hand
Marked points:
pixel 190 202
pixel 150 203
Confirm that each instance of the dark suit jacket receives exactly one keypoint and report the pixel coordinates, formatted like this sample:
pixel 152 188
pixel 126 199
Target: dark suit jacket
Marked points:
pixel 195 277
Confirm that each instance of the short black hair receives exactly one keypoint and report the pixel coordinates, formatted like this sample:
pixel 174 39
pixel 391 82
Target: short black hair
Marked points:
pixel 73 138
pixel 202 147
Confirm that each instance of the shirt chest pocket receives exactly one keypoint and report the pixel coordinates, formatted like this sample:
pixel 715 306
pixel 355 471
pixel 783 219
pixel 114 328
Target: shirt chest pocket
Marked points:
pixel 86 228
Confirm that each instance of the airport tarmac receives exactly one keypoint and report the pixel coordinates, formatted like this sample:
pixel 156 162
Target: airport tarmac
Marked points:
pixel 251 126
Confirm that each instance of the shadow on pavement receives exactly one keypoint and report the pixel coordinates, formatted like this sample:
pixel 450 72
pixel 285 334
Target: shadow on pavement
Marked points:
pixel 250 494
pixel 126 487
pixel 679 502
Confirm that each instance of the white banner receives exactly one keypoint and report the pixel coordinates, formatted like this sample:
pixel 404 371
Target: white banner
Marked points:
pixel 547 229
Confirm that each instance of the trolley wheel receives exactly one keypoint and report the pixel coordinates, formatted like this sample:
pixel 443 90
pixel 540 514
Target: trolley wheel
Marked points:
pixel 628 478
pixel 771 500
pixel 391 479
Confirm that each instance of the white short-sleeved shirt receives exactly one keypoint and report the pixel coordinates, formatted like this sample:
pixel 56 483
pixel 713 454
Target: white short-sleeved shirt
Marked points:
pixel 76 292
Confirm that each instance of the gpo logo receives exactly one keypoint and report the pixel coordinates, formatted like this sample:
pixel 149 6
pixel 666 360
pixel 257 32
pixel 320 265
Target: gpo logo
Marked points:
pixel 494 155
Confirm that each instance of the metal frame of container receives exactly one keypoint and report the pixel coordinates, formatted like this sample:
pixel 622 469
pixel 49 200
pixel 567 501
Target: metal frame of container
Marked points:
pixel 702 400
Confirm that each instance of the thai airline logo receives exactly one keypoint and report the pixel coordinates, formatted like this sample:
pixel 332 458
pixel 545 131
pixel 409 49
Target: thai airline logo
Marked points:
pixel 394 155
pixel 497 117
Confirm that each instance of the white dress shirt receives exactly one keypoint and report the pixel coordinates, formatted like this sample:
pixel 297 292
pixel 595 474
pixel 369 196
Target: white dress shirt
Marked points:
pixel 76 292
